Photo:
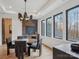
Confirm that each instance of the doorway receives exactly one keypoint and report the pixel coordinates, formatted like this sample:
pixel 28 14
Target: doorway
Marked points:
pixel 6 29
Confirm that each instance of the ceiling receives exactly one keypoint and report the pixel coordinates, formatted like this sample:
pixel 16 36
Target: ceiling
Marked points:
pixel 34 7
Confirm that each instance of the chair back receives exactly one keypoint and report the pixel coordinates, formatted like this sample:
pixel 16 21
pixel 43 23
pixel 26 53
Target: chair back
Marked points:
pixel 21 37
pixel 38 39
pixel 40 42
pixel 20 47
pixel 9 43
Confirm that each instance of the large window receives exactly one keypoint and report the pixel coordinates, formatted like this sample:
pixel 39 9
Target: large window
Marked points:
pixel 49 26
pixel 58 26
pixel 43 28
pixel 73 24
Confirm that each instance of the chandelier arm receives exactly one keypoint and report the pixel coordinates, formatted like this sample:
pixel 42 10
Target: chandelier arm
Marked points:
pixel 25 5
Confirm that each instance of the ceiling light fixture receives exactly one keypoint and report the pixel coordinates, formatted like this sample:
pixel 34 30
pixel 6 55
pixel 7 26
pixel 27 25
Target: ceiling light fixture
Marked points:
pixel 24 16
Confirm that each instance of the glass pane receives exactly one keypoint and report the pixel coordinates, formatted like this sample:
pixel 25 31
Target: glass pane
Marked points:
pixel 43 28
pixel 58 26
pixel 73 24
pixel 49 27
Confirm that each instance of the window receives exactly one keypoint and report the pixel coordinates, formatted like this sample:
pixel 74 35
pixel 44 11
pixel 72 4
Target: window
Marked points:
pixel 43 28
pixel 49 26
pixel 58 25
pixel 73 24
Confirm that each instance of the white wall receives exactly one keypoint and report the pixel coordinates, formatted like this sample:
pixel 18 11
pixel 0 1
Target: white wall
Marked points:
pixel 39 24
pixel 62 8
pixel 16 26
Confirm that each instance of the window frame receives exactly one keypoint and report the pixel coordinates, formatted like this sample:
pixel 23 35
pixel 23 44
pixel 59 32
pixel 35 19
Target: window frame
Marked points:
pixel 67 20
pixel 54 24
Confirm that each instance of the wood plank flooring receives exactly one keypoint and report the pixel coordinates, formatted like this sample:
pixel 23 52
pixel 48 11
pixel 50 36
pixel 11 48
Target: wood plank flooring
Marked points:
pixel 46 54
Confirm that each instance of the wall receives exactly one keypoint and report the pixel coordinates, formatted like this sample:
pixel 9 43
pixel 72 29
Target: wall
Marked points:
pixel 62 8
pixel 16 26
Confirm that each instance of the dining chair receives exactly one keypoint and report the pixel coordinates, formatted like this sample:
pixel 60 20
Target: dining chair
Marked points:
pixel 35 46
pixel 20 48
pixel 9 45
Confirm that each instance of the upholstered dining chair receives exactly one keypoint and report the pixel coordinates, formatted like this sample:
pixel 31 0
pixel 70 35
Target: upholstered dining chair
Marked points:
pixel 20 48
pixel 9 45
pixel 35 46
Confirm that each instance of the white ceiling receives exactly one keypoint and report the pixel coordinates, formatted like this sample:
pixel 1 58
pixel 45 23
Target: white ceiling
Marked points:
pixel 18 5
pixel 34 7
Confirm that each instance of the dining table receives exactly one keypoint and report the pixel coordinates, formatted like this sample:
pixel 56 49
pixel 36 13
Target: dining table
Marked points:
pixel 28 40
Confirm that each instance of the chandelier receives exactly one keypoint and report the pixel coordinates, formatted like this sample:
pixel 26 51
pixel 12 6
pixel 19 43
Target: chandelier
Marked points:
pixel 24 16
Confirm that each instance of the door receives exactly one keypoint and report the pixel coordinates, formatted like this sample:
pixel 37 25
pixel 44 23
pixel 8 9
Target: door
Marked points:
pixel 6 29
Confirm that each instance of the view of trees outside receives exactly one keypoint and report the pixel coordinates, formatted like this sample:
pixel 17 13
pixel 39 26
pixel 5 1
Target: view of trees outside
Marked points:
pixel 73 24
pixel 49 27
pixel 43 28
pixel 58 25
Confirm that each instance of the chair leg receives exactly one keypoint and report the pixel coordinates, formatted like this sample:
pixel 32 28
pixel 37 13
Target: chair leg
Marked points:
pixel 8 52
pixel 28 51
pixel 39 52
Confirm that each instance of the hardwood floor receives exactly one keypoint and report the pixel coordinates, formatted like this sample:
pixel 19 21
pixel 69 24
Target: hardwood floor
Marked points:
pixel 46 54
